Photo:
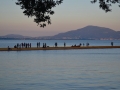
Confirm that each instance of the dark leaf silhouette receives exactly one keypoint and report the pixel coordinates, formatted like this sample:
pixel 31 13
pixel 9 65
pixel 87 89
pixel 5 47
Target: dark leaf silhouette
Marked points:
pixel 105 4
pixel 42 9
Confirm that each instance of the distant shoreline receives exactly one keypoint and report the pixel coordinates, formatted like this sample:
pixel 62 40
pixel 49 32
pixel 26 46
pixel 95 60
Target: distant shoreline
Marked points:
pixel 89 32
pixel 51 39
pixel 58 48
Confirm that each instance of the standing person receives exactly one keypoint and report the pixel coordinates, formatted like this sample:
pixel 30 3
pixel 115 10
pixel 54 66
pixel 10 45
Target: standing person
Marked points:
pixel 88 44
pixel 39 44
pixel 80 44
pixel 56 44
pixel 8 48
pixel 17 45
pixel 64 44
pixel 43 45
pixel 22 45
pixel 111 43
pixel 83 44
pixel 30 45
pixel 26 45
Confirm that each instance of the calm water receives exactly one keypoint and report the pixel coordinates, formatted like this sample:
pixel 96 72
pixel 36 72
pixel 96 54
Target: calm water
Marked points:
pixel 89 69
pixel 11 43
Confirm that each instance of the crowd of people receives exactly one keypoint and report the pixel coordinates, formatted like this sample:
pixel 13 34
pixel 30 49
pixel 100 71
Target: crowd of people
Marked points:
pixel 38 44
pixel 28 45
pixel 23 45
pixel 87 44
pixel 44 45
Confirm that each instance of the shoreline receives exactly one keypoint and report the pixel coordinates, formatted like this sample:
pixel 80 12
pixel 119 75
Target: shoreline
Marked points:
pixel 58 48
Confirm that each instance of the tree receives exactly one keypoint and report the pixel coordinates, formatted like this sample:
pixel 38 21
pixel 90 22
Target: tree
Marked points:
pixel 42 9
pixel 105 4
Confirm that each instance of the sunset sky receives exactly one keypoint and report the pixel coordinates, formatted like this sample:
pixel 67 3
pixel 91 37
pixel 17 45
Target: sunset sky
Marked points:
pixel 70 15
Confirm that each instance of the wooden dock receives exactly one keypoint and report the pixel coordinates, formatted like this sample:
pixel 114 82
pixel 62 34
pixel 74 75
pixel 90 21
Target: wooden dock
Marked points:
pixel 59 48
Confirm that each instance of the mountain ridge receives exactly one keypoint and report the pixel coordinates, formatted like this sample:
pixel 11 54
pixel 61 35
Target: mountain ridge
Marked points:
pixel 88 32
pixel 15 36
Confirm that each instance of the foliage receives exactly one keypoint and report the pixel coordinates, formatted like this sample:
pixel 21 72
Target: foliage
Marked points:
pixel 42 9
pixel 105 4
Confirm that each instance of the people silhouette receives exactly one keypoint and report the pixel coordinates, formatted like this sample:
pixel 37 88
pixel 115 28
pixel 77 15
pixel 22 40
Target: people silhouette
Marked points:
pixel 64 44
pixel 111 43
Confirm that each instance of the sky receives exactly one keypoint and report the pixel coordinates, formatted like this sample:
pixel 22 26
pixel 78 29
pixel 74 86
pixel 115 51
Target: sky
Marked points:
pixel 70 15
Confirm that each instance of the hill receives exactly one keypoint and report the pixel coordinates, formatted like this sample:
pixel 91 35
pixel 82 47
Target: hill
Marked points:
pixel 15 36
pixel 89 32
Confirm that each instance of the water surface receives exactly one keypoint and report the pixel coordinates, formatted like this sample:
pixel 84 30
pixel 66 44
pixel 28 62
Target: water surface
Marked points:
pixel 89 69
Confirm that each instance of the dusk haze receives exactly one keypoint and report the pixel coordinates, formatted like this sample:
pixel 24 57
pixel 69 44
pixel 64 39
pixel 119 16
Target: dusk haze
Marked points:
pixel 59 44
pixel 70 15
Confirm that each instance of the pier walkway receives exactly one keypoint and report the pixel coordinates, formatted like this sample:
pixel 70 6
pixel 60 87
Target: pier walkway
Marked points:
pixel 58 48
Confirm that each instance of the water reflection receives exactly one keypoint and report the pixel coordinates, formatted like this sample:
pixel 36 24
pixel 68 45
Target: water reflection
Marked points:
pixel 64 69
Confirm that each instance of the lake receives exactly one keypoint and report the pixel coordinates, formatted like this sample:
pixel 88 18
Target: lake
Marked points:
pixel 86 69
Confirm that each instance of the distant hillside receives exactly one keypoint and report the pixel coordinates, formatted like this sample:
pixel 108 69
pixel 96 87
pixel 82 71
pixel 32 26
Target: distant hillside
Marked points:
pixel 89 32
pixel 118 32
pixel 14 36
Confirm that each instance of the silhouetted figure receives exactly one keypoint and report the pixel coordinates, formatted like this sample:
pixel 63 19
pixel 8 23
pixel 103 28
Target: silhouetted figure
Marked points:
pixel 111 43
pixel 22 45
pixel 80 44
pixel 19 45
pixel 15 46
pixel 30 45
pixel 56 44
pixel 64 44
pixel 39 44
pixel 8 48
pixel 45 45
pixel 26 45
pixel 83 44
pixel 87 44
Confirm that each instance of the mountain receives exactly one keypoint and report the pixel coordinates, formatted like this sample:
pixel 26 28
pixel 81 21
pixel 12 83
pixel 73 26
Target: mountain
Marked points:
pixel 89 32
pixel 14 36
pixel 118 32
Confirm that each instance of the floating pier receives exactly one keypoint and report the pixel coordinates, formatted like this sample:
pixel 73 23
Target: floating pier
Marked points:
pixel 59 48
